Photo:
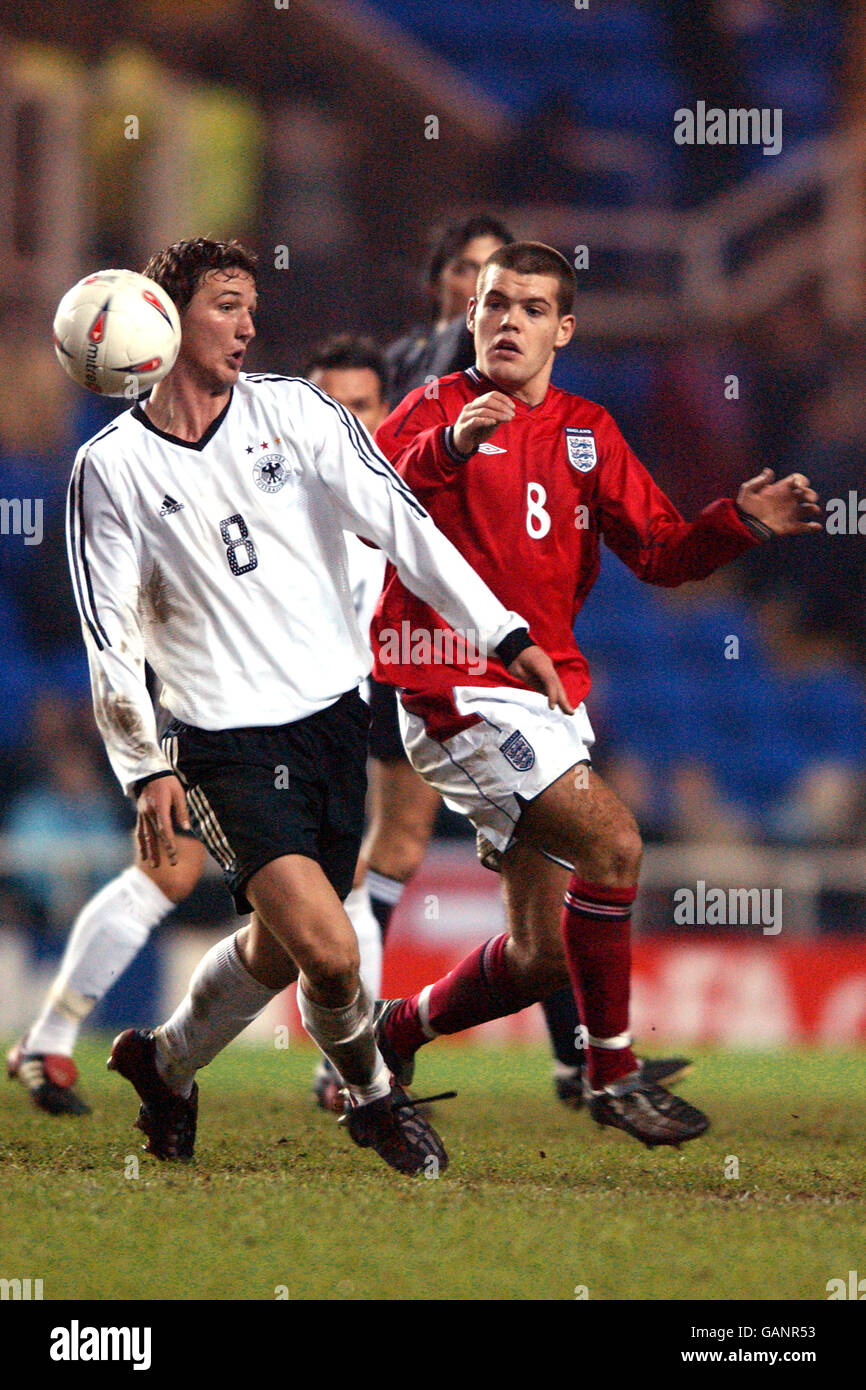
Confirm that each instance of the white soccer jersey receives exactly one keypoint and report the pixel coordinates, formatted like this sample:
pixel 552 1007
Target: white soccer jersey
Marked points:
pixel 366 570
pixel 223 564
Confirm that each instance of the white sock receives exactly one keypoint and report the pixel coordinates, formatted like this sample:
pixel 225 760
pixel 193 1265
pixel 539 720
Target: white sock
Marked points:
pixel 383 889
pixel 360 914
pixel 222 999
pixel 107 935
pixel 346 1037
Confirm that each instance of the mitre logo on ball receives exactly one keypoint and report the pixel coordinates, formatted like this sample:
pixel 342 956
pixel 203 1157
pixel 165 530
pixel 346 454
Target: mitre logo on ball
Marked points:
pixel 117 333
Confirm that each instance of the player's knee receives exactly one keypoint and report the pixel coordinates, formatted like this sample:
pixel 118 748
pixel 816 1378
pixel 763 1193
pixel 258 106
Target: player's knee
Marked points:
pixel 333 969
pixel 626 853
pixel 615 858
pixel 539 965
pixel 176 883
pixel 401 853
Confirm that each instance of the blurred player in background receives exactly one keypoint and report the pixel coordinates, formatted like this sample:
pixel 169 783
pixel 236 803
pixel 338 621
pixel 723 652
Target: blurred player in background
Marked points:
pixel 525 478
pixel 432 350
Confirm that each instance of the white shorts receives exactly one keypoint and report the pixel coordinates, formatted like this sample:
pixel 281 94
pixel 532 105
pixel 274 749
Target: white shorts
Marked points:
pixel 520 748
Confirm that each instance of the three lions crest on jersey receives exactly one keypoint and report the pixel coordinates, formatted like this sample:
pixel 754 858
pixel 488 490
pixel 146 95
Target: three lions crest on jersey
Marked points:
pixel 581 448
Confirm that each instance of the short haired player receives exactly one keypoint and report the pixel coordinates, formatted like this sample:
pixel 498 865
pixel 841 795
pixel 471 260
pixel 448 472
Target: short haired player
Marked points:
pixel 526 480
pixel 114 925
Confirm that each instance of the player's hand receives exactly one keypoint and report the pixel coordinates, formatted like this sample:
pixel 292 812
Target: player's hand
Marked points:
pixel 161 806
pixel 534 667
pixel 787 507
pixel 479 419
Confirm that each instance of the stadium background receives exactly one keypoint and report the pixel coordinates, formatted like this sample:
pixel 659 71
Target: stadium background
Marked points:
pixel 308 127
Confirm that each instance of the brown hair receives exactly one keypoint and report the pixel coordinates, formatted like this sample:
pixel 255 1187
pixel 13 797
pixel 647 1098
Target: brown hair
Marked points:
pixel 180 268
pixel 344 352
pixel 534 258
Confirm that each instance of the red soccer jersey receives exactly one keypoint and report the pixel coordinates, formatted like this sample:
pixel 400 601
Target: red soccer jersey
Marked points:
pixel 528 511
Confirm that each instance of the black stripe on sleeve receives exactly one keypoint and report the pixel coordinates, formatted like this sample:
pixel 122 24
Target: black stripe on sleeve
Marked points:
pixel 81 565
pixel 73 557
pixel 513 644
pixel 374 460
pixel 756 527
pixel 109 429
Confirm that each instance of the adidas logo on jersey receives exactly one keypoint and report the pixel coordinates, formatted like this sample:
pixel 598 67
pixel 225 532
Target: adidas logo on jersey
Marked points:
pixel 488 448
pixel 169 506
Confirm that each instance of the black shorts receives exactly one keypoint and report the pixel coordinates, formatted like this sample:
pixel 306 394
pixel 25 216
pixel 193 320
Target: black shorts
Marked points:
pixel 385 741
pixel 259 793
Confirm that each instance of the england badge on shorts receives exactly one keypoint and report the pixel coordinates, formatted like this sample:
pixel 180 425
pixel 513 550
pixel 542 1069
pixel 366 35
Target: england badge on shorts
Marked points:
pixel 581 449
pixel 518 751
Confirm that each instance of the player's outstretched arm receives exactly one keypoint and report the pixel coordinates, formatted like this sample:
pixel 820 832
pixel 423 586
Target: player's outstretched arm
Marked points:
pixel 787 507
pixel 161 805
pixel 378 504
pixel 643 527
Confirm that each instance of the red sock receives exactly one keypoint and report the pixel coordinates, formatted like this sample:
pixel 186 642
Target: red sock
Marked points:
pixel 476 990
pixel 596 929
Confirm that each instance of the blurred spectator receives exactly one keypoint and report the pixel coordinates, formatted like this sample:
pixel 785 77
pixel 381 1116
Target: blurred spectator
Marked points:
pixel 827 580
pixel 705 50
pixel 631 778
pixel 36 452
pixel 428 352
pixel 699 811
pixel 309 279
pixel 69 812
pixel 789 362
pixel 824 806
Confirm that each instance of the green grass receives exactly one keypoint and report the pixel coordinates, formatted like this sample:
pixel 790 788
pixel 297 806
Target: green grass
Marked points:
pixel 536 1201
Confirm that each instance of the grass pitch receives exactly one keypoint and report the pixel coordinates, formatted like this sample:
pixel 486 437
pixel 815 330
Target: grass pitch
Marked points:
pixel 537 1203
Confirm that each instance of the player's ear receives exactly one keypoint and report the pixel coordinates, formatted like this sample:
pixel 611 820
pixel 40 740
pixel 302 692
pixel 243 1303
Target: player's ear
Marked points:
pixel 470 314
pixel 565 331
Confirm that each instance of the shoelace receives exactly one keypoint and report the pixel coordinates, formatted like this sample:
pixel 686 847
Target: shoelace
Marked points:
pixel 422 1100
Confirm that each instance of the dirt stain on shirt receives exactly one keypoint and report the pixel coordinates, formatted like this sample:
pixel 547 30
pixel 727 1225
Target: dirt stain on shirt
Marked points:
pixel 155 601
pixel 116 714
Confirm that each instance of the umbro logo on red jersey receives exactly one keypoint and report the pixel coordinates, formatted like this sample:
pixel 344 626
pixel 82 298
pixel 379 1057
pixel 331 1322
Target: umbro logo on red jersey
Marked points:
pixel 170 506
pixel 488 448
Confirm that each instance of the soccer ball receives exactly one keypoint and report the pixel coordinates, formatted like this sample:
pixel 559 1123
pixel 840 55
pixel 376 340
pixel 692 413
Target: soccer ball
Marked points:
pixel 117 333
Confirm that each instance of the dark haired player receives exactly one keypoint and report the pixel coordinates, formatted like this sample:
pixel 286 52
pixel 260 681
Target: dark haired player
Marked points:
pixel 403 807
pixel 114 925
pixel 205 537
pixel 526 479
pixel 433 350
